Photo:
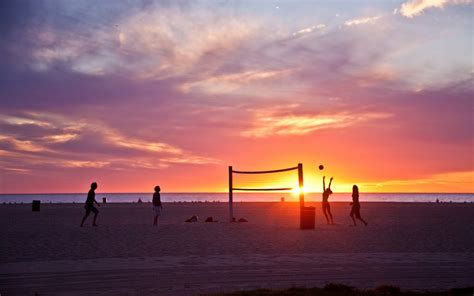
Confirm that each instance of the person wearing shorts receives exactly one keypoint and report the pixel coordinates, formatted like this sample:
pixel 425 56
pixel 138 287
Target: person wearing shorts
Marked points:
pixel 326 207
pixel 355 210
pixel 157 206
pixel 89 206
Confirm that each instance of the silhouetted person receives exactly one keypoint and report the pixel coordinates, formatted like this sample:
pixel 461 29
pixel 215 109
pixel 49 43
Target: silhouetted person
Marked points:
pixel 355 211
pixel 157 206
pixel 90 205
pixel 326 207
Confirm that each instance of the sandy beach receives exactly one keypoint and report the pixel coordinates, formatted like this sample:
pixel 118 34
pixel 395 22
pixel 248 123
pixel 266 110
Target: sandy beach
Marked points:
pixel 412 245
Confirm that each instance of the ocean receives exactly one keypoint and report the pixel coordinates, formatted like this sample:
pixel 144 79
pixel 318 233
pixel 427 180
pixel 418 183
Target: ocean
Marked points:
pixel 238 197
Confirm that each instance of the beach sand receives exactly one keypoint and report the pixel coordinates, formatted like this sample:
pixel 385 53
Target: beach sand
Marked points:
pixel 411 245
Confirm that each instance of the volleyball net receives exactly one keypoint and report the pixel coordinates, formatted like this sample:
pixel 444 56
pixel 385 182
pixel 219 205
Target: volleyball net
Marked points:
pixel 287 179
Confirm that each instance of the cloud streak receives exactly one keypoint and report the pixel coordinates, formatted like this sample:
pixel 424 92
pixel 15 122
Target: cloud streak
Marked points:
pixel 52 145
pixel 270 123
pixel 227 83
pixel 362 21
pixel 309 30
pixel 414 8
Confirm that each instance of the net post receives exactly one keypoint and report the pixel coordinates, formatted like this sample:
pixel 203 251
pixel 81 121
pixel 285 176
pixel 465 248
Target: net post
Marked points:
pixel 300 184
pixel 231 206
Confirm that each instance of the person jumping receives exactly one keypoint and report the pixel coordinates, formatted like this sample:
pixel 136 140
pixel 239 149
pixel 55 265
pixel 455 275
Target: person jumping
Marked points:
pixel 326 207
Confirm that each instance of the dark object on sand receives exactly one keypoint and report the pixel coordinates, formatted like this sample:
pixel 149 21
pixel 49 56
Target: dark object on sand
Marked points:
pixel 139 200
pixel 307 218
pixel 192 219
pixel 104 200
pixel 338 288
pixel 242 220
pixel 210 219
pixel 35 206
pixel 282 199
pixel 387 290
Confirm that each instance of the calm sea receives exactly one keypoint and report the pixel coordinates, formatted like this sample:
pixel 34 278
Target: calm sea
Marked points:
pixel 238 197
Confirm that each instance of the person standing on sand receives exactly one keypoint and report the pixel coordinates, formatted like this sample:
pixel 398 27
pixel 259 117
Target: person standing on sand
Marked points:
pixel 355 211
pixel 90 205
pixel 326 207
pixel 157 206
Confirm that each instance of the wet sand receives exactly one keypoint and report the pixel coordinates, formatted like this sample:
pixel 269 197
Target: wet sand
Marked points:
pixel 411 245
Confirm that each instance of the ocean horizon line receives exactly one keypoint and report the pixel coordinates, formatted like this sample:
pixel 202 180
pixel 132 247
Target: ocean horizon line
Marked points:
pixel 238 197
pixel 235 192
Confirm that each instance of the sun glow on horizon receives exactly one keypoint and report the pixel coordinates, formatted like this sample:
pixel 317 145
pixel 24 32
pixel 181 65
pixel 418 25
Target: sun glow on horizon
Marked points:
pixel 298 190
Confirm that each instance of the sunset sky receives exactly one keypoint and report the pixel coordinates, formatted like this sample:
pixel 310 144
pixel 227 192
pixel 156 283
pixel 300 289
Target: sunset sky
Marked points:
pixel 131 94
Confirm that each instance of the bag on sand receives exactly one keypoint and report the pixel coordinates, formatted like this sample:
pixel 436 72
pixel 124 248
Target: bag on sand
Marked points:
pixel 192 219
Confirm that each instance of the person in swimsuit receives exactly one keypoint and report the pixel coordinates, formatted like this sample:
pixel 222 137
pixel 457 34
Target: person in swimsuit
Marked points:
pixel 355 211
pixel 90 205
pixel 157 206
pixel 326 207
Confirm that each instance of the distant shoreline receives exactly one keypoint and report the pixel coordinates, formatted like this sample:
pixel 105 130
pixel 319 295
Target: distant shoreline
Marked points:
pixel 225 192
pixel 307 203
pixel 238 197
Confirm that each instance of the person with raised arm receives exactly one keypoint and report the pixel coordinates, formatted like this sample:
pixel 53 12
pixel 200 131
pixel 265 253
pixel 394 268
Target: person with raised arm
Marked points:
pixel 355 211
pixel 326 208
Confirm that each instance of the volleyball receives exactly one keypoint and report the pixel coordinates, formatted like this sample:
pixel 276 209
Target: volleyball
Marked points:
pixel 321 167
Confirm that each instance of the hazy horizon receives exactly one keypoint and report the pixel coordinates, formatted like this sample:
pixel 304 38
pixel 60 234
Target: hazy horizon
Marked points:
pixel 223 197
pixel 224 192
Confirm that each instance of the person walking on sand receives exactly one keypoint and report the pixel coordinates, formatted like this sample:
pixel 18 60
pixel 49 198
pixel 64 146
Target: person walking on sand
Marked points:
pixel 157 206
pixel 326 208
pixel 90 205
pixel 355 211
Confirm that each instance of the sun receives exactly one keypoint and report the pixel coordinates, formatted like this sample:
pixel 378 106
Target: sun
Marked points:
pixel 297 190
